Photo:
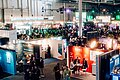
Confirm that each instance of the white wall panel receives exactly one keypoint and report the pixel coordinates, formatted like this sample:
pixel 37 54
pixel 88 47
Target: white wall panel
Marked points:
pixel 19 1
pixel 24 3
pixel 40 8
pixel 7 14
pixel 14 3
pixel 4 4
pixel 0 15
pixel 29 5
pixel 16 13
pixel 0 3
pixel 33 7
pixel 25 12
pixel 10 4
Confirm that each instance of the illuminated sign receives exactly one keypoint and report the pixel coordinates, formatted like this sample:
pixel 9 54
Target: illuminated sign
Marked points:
pixel 104 18
pixel 8 56
pixel 32 18
pixel 117 17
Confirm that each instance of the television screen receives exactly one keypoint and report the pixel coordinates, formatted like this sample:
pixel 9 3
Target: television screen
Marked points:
pixel 115 78
pixel 114 61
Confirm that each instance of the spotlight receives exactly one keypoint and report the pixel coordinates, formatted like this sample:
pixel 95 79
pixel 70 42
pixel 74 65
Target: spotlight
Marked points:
pixel 93 44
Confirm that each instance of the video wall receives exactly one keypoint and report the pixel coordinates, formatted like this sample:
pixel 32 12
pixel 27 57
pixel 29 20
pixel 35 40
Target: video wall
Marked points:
pixel 8 60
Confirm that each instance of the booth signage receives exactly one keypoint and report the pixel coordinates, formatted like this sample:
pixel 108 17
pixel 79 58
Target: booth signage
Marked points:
pixel 32 18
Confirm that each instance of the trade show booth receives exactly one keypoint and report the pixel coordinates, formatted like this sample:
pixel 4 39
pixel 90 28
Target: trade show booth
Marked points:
pixel 80 52
pixel 57 48
pixel 8 60
pixel 101 57
pixel 83 52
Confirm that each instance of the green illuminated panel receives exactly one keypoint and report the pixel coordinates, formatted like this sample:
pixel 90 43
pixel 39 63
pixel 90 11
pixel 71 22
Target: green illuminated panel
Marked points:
pixel 117 17
pixel 90 17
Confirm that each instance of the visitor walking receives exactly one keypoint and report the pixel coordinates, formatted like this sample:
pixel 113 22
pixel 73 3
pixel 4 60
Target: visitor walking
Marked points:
pixel 57 72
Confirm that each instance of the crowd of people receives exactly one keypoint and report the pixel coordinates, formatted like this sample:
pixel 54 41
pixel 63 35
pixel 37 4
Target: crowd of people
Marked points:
pixel 62 73
pixel 33 69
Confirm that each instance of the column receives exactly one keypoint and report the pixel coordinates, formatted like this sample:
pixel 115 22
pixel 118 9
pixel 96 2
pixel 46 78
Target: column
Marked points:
pixel 80 18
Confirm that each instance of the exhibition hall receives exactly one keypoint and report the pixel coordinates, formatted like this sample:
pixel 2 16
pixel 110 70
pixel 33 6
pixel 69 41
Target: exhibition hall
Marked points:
pixel 59 40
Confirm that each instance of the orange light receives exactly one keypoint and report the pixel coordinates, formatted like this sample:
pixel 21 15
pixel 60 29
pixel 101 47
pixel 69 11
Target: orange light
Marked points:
pixel 93 44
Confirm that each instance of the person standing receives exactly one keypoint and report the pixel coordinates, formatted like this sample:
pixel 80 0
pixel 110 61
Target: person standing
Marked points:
pixel 85 64
pixel 67 73
pixel 32 62
pixel 77 65
pixel 41 66
pixel 72 65
pixel 76 61
pixel 26 75
pixel 24 60
pixel 49 51
pixel 57 72
pixel 37 73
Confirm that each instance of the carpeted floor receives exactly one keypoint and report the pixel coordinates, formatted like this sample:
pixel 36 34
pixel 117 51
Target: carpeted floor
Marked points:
pixel 49 74
pixel 3 75
pixel 50 60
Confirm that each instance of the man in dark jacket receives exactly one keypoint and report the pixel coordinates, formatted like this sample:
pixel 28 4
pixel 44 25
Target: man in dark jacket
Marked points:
pixel 85 64
pixel 57 72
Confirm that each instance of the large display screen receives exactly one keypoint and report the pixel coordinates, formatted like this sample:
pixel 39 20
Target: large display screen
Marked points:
pixel 115 78
pixel 114 61
pixel 8 60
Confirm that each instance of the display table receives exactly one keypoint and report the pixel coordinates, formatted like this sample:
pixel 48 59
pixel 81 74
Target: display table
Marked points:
pixel 94 69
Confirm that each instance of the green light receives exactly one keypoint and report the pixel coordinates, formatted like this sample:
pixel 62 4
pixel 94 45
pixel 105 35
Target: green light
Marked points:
pixel 93 11
pixel 117 17
pixel 90 17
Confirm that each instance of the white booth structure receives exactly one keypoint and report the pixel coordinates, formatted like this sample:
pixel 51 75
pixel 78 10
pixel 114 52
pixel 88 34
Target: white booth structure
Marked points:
pixel 58 47
pixel 11 34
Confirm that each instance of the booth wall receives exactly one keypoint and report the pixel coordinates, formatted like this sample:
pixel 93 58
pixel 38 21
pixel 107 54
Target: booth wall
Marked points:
pixel 8 61
pixel 54 48
pixel 11 34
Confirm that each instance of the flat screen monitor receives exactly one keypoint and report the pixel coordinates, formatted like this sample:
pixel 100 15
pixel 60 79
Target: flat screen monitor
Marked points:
pixel 114 61
pixel 115 78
